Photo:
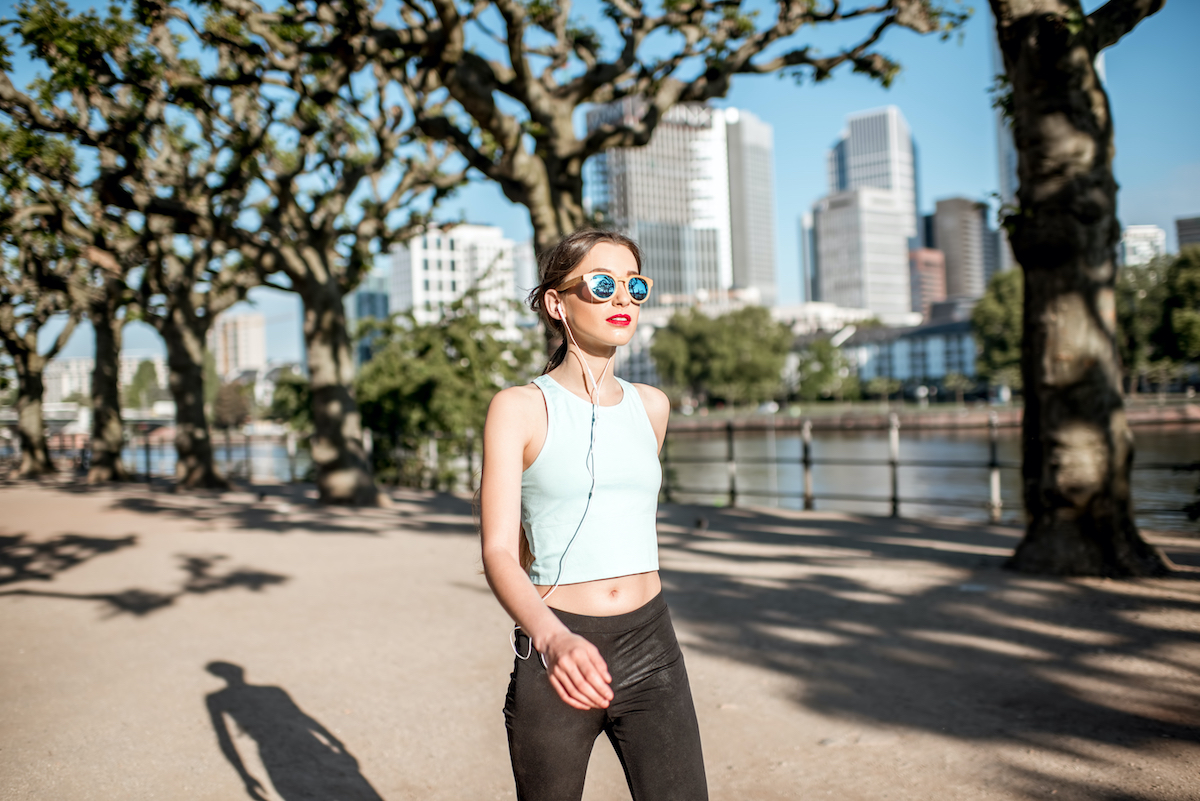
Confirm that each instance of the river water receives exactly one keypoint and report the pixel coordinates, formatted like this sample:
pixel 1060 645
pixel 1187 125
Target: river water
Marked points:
pixel 781 484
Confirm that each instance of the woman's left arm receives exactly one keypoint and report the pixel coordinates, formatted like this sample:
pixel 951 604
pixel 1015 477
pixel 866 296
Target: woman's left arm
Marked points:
pixel 658 409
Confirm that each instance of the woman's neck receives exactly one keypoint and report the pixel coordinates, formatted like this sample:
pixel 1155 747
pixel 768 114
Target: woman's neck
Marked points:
pixel 573 373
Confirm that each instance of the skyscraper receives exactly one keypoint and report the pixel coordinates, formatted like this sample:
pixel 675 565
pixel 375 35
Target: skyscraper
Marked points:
pixel 961 225
pixel 862 240
pixel 431 271
pixel 1187 231
pixel 751 144
pixel 863 231
pixel 877 150
pixel 698 198
pixel 238 342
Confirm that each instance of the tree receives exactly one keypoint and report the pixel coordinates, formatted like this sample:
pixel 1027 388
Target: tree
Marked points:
pixel 143 388
pixel 435 380
pixel 1178 334
pixel 958 384
pixel 291 402
pixel 40 278
pixel 737 357
pixel 825 372
pixel 1078 449
pixel 996 323
pixel 336 163
pixel 512 75
pixel 882 387
pixel 1141 297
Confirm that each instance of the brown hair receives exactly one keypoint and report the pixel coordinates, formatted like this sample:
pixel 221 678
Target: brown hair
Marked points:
pixel 557 263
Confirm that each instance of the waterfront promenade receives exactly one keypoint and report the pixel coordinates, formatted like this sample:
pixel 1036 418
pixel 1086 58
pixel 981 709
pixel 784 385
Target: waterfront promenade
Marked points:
pixel 163 646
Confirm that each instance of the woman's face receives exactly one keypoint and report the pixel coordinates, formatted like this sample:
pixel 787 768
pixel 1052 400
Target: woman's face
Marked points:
pixel 601 322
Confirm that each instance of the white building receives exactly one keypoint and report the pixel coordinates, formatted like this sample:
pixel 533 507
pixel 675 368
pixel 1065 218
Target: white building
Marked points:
pixel 66 377
pixel 862 240
pixel 876 150
pixel 432 271
pixel 238 343
pixel 916 355
pixel 1140 244
pixel 751 144
pixel 671 196
pixel 863 230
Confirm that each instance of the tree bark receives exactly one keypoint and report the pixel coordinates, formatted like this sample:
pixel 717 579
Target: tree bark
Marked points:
pixel 1078 448
pixel 31 426
pixel 342 473
pixel 108 434
pixel 195 465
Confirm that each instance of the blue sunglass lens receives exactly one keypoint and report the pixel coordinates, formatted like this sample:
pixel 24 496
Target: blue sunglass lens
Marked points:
pixel 638 290
pixel 602 286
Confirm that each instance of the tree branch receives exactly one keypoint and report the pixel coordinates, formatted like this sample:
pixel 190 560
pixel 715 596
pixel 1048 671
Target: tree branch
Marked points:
pixel 1114 19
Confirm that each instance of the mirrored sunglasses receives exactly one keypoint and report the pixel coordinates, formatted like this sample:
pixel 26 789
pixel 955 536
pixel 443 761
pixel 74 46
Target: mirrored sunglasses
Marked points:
pixel 604 285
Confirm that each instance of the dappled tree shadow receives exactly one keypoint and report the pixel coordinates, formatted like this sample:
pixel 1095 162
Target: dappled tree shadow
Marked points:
pixel 31 560
pixel 956 645
pixel 200 580
pixel 303 760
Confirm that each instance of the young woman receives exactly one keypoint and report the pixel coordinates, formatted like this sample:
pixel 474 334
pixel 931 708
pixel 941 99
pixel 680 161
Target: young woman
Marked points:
pixel 569 499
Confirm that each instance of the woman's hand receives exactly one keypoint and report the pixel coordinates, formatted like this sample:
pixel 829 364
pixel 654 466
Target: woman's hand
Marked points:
pixel 577 672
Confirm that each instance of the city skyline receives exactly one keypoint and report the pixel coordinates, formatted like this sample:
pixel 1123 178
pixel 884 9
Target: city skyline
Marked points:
pixel 942 91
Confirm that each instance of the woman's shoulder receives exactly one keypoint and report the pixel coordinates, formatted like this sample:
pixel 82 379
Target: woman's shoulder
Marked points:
pixel 655 400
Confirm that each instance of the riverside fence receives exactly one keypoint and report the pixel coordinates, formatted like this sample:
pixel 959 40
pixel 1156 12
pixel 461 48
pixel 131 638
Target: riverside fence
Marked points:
pixel 733 492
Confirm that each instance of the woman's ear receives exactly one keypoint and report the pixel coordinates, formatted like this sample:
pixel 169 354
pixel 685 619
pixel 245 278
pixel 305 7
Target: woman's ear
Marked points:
pixel 553 303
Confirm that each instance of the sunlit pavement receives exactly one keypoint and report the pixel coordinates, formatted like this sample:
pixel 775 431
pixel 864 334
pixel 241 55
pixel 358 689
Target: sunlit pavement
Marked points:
pixel 229 646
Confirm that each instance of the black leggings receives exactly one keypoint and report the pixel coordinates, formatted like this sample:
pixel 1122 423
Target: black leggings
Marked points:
pixel 650 721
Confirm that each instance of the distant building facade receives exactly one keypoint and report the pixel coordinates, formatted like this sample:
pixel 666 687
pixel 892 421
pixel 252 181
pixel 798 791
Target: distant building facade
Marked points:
pixel 1187 231
pixel 238 343
pixel 751 148
pixel 67 378
pixel 1141 244
pixel 921 355
pixel 432 271
pixel 927 277
pixel 370 301
pixel 962 235
pixel 862 238
pixel 698 198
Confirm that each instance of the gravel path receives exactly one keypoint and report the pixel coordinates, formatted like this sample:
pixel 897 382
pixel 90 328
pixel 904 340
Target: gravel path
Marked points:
pixel 161 646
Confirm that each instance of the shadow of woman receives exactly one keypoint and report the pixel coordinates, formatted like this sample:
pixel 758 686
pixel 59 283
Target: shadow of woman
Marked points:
pixel 302 759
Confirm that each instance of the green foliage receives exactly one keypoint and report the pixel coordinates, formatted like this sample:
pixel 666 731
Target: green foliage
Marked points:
pixel 1178 336
pixel 825 372
pixel 433 380
pixel 996 323
pixel 231 407
pixel 738 357
pixel 1141 292
pixel 143 389
pixel 291 402
pixel 958 384
pixel 883 387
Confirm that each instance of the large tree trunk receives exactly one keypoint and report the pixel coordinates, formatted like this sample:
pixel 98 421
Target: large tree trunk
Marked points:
pixel 107 431
pixel 1078 449
pixel 195 466
pixel 31 426
pixel 343 475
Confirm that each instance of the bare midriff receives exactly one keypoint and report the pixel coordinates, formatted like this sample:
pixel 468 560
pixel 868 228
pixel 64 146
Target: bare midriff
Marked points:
pixel 605 597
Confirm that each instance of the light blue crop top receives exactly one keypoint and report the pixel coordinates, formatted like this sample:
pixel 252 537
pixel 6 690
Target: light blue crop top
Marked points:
pixel 618 537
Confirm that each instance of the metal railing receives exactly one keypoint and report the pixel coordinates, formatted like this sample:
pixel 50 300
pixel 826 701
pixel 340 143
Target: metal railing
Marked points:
pixel 994 504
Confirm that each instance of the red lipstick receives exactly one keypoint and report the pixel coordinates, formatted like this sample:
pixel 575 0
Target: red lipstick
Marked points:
pixel 620 319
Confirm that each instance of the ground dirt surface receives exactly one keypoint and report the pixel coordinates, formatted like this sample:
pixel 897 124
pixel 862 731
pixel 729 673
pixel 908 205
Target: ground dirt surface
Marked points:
pixel 255 644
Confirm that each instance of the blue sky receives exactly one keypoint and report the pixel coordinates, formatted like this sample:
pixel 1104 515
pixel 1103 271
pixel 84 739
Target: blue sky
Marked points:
pixel 942 91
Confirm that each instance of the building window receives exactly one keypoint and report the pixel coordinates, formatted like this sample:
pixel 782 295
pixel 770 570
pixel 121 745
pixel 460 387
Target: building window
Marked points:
pixel 424 241
pixel 426 284
pixel 426 264
pixel 439 286
pixel 452 244
pixel 439 264
pixel 453 286
pixel 452 265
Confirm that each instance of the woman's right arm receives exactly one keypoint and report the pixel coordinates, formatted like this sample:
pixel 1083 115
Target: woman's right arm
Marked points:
pixel 575 668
